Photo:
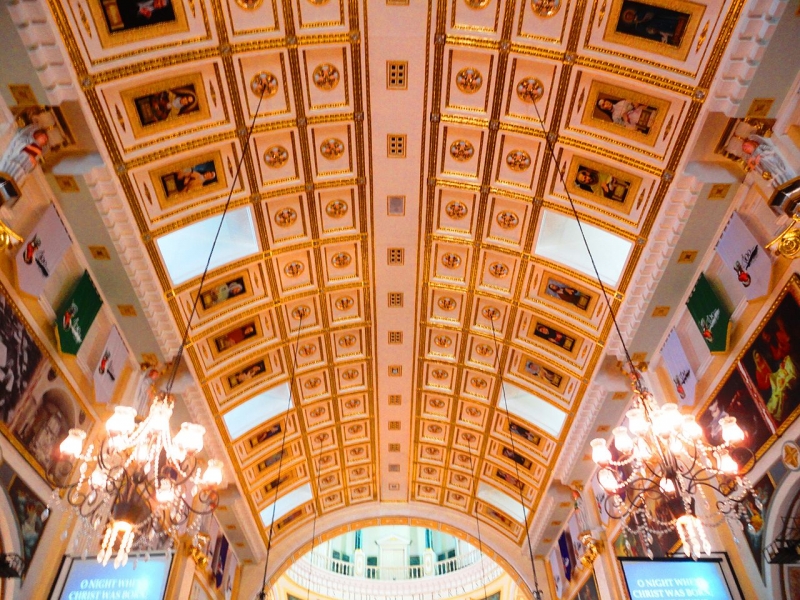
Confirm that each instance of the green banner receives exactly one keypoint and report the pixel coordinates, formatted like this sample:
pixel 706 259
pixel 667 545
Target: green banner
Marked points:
pixel 77 314
pixel 711 317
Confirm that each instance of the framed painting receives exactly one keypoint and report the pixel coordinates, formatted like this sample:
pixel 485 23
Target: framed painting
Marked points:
pixel 224 293
pixel 554 337
pixel 166 104
pixel 265 435
pixel 121 22
pixel 770 362
pixel 236 337
pixel 536 372
pixel 524 433
pixel 665 27
pixel 516 457
pixel 37 406
pixel 246 375
pixel 191 178
pixel 602 184
pixel 588 590
pixel 562 292
pixel 625 113
pixel 27 508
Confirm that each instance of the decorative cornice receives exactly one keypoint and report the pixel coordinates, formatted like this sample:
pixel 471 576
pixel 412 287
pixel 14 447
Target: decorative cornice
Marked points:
pixel 542 518
pixel 578 432
pixel 37 33
pixel 744 55
pixel 120 224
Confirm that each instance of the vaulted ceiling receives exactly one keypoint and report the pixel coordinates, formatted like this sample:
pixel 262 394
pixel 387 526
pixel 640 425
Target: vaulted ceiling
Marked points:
pixel 399 237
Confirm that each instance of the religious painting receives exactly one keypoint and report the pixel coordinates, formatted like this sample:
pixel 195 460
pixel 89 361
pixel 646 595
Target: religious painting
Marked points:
pixel 247 374
pixel 733 399
pixel 542 331
pixel 770 363
pixel 284 522
pixel 625 113
pixel 753 525
pixel 566 294
pixel 515 456
pixel 37 406
pixel 524 433
pixel 270 460
pixel 28 509
pixel 265 435
pixel 188 179
pixel 665 27
pixel 603 184
pixel 237 336
pixel 125 21
pixel 534 371
pixel 223 293
pixel 166 104
pixel 498 516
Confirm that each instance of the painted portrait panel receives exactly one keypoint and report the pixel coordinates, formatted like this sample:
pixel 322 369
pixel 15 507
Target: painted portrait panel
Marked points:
pixel 734 399
pixel 524 433
pixel 509 479
pixel 603 184
pixel 515 456
pixel 37 407
pixel 534 371
pixel 551 335
pixel 247 374
pixel 566 294
pixel 665 27
pixel 124 21
pixel 28 509
pixel 769 364
pixel 166 104
pixel 498 516
pixel 188 179
pixel 271 460
pixel 264 436
pixel 224 293
pixel 589 590
pixel 624 112
pixel 236 337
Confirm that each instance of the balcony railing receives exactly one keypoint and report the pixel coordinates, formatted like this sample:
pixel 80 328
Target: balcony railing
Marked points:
pixel 451 577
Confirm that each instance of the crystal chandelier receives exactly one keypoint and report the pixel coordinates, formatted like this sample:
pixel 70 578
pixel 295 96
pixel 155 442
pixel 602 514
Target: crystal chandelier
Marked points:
pixel 141 486
pixel 663 476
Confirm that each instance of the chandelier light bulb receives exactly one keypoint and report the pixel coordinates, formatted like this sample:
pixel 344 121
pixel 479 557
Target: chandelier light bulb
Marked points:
pixel 122 422
pixel 727 464
pixel 607 480
pixel 165 493
pixel 671 415
pixel 642 450
pixel 731 432
pixel 601 455
pixel 160 414
pixel 190 437
pixel 667 486
pixel 99 478
pixel 73 444
pixel 213 474
pixel 676 446
pixel 113 531
pixel 622 440
pixel 690 428
pixel 637 422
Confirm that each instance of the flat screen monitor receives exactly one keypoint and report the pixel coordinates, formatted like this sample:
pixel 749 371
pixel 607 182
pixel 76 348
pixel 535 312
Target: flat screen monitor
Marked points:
pixel 86 579
pixel 708 578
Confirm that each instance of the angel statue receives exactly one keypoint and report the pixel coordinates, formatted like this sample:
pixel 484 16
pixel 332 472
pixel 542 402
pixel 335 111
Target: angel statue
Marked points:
pixel 761 156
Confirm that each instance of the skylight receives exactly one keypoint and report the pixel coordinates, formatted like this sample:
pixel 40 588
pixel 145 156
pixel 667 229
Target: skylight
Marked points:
pixel 544 415
pixel 501 500
pixel 257 411
pixel 560 240
pixel 286 503
pixel 185 251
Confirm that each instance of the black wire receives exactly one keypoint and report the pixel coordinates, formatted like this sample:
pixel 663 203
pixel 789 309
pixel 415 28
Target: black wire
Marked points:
pixel 262 594
pixel 634 372
pixel 314 524
pixel 179 354
pixel 537 592
pixel 478 523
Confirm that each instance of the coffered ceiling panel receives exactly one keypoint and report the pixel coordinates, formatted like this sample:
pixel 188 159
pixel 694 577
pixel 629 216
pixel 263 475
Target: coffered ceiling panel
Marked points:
pixel 433 328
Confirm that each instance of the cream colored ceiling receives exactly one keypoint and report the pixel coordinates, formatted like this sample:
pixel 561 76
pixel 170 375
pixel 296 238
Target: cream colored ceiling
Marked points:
pixel 316 177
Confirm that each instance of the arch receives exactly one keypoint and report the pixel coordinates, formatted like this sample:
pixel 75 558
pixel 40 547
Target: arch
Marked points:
pixel 511 557
pixel 784 503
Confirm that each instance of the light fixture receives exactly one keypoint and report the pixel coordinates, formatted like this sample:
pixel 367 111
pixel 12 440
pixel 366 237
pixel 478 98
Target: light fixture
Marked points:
pixel 664 473
pixel 142 487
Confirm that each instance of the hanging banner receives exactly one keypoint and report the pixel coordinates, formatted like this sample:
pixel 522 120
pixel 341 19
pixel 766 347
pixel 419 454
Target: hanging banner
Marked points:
pixel 110 366
pixel 741 253
pixel 77 314
pixel 557 570
pixel 41 252
pixel 575 527
pixel 566 550
pixel 679 369
pixel 711 317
